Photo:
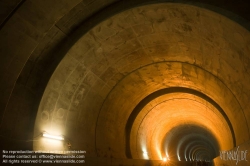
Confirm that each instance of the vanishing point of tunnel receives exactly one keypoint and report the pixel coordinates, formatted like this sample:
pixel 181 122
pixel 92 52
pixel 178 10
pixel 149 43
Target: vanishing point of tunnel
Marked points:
pixel 127 82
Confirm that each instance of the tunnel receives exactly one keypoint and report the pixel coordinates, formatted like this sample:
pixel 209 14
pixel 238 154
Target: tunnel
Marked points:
pixel 140 82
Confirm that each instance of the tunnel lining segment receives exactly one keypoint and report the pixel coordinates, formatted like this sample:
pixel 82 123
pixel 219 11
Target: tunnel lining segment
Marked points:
pixel 200 136
pixel 205 143
pixel 172 132
pixel 156 94
pixel 96 146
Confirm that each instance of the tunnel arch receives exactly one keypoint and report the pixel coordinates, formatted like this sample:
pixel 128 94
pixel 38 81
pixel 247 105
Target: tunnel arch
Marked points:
pixel 210 145
pixel 186 135
pixel 156 94
pixel 146 71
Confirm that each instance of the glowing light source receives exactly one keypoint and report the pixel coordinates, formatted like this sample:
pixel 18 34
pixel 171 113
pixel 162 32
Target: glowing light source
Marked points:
pixel 164 159
pixel 52 136
pixel 145 154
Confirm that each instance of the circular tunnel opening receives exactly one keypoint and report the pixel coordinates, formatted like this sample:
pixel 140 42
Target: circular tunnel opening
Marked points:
pixel 190 143
pixel 189 124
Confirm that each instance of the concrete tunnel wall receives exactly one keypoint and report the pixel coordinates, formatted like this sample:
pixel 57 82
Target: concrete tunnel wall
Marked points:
pixel 140 51
pixel 120 62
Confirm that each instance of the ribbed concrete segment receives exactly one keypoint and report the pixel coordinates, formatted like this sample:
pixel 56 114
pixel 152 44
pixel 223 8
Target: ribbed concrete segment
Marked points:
pixel 129 82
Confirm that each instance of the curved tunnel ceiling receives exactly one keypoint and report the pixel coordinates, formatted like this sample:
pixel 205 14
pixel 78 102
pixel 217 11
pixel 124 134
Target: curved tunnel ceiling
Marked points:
pixel 94 95
pixel 172 107
pixel 184 142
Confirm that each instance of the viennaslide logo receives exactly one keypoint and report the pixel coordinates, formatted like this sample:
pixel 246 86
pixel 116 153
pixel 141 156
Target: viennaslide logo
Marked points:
pixel 234 155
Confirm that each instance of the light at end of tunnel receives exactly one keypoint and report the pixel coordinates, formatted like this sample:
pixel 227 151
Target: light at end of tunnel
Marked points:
pixel 53 136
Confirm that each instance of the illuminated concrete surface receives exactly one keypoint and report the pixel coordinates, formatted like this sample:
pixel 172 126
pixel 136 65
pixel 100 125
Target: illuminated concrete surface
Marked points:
pixel 126 80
